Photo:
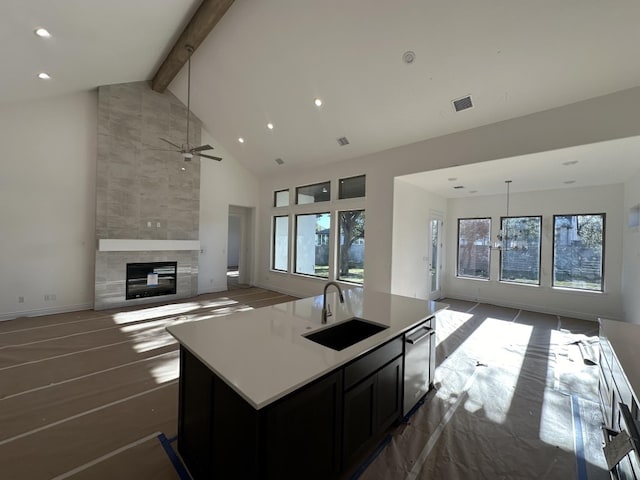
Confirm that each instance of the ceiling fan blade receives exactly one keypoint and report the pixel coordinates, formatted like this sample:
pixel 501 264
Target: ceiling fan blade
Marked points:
pixel 171 143
pixel 201 148
pixel 208 156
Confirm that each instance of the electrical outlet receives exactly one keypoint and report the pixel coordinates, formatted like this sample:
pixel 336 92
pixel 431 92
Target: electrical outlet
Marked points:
pixel 46 298
pixel 20 299
pixel 52 297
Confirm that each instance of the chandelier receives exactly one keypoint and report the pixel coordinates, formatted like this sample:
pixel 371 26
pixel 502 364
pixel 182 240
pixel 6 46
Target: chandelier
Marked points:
pixel 510 238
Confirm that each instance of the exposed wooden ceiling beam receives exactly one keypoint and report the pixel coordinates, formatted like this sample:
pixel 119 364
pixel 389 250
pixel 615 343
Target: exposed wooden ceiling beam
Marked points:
pixel 206 17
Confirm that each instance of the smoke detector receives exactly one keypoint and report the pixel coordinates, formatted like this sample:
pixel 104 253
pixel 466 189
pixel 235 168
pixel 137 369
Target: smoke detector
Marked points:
pixel 408 57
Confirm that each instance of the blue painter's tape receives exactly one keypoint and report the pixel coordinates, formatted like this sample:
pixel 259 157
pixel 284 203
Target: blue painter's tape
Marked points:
pixel 175 461
pixel 581 464
pixel 381 446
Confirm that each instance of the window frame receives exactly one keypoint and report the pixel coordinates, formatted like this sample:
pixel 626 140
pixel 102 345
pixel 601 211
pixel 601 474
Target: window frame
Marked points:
pixel 275 198
pixel 513 282
pixel 338 246
pixel 341 180
pixel 273 243
pixel 326 182
pixel 458 275
pixel 294 267
pixel 602 248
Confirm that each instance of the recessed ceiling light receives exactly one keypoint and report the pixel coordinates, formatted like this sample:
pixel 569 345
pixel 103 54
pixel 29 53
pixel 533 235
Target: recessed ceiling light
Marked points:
pixel 44 76
pixel 241 140
pixel 42 32
pixel 270 126
pixel 570 162
pixel 183 169
pixel 318 102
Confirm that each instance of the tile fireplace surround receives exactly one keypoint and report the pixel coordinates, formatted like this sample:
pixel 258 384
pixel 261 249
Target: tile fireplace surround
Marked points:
pixel 147 207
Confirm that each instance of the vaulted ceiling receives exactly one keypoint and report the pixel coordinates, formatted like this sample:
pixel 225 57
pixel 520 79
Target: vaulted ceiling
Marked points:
pixel 267 61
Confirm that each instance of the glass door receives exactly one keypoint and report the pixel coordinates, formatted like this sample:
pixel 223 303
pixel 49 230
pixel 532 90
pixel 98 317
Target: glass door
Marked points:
pixel 436 227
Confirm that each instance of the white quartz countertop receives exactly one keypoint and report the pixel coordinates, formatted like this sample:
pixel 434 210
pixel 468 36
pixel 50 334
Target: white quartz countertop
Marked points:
pixel 262 354
pixel 624 337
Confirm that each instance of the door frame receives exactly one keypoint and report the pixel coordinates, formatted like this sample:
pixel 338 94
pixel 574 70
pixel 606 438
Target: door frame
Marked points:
pixel 245 258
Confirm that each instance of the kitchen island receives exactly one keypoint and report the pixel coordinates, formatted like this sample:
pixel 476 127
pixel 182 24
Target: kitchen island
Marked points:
pixel 258 399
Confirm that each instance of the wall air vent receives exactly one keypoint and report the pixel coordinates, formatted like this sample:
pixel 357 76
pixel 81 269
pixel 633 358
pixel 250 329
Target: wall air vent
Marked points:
pixel 458 187
pixel 342 141
pixel 463 103
pixel 279 161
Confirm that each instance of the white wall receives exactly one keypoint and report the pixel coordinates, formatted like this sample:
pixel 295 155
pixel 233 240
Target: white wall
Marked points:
pixel 589 305
pixel 47 204
pixel 221 184
pixel 631 254
pixel 598 119
pixel 412 208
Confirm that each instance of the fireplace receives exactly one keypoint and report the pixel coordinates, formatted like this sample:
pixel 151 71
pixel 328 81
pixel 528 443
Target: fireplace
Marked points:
pixel 151 279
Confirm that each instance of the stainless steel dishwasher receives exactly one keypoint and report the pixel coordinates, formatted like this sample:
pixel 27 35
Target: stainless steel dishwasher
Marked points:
pixel 419 362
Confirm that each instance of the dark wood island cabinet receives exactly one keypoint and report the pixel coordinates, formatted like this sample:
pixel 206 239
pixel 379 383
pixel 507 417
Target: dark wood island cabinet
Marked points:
pixel 295 423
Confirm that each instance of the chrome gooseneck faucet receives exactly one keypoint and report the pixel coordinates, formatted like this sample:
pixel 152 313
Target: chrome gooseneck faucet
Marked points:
pixel 326 311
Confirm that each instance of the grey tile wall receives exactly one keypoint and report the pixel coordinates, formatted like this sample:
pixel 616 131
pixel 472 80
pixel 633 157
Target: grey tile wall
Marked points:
pixel 141 190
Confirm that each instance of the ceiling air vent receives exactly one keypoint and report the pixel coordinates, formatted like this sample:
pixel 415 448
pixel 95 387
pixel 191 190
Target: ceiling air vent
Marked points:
pixel 279 161
pixel 342 141
pixel 463 103
pixel 458 187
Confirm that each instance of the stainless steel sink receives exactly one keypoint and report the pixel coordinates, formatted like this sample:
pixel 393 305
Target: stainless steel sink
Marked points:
pixel 344 334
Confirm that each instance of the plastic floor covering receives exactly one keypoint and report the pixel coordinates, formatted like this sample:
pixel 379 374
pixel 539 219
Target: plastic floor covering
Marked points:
pixel 93 395
pixel 514 398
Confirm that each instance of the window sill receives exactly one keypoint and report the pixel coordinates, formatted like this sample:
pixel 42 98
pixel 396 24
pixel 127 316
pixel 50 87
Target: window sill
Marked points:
pixel 476 279
pixel 519 284
pixel 579 291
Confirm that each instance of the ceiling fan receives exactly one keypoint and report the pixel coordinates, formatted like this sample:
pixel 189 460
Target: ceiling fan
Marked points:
pixel 186 149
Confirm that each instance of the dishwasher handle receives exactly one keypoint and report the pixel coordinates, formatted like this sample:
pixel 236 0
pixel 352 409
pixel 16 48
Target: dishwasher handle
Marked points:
pixel 419 336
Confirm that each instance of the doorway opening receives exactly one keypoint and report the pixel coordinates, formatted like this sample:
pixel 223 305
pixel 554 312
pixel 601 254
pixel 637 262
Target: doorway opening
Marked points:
pixel 239 247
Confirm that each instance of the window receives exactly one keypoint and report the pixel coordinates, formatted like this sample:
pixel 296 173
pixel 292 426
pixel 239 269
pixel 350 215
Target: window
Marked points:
pixel 351 246
pixel 520 250
pixel 474 247
pixel 280 260
pixel 578 246
pixel 281 198
pixel 312 255
pixel 352 187
pixel 319 192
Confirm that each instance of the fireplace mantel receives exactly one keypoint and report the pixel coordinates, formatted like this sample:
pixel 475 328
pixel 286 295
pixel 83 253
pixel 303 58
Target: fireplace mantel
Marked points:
pixel 140 245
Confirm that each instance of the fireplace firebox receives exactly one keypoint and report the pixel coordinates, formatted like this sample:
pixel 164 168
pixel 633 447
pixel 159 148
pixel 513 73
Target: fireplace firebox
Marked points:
pixel 151 279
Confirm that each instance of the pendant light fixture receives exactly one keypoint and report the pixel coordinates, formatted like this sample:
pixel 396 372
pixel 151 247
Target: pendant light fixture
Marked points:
pixel 503 239
pixel 511 239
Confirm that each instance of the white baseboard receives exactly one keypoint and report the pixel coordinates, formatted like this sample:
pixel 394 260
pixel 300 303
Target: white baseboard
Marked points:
pixel 46 311
pixel 266 286
pixel 531 308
